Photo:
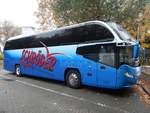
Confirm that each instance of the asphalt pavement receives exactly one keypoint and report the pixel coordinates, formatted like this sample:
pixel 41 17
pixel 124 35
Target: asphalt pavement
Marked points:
pixel 36 95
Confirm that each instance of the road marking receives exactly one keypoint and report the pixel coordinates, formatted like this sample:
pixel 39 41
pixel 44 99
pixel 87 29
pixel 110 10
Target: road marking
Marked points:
pixel 67 95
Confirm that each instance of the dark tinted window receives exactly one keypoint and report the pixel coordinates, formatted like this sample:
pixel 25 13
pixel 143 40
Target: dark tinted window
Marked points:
pixel 88 33
pixel 104 54
pixel 90 52
pixel 74 35
pixel 21 43
pixel 81 34
pixel 98 33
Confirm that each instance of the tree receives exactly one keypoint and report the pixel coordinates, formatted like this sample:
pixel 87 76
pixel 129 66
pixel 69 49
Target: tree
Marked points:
pixel 7 30
pixel 145 28
pixel 44 14
pixel 66 12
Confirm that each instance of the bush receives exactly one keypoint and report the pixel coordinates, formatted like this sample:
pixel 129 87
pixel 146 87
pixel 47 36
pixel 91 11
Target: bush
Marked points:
pixel 1 56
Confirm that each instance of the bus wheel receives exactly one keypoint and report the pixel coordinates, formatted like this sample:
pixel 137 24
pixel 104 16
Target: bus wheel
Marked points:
pixel 73 79
pixel 17 70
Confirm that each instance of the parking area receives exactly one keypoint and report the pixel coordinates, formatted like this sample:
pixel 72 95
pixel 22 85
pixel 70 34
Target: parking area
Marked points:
pixel 35 95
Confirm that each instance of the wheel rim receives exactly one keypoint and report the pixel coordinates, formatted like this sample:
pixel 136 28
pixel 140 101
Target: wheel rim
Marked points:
pixel 17 70
pixel 73 79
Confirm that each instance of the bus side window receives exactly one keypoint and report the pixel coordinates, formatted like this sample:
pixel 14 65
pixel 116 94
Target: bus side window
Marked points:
pixel 89 52
pixel 103 33
pixel 106 55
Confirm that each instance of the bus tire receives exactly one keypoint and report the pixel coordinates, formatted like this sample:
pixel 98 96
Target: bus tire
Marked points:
pixel 18 71
pixel 73 79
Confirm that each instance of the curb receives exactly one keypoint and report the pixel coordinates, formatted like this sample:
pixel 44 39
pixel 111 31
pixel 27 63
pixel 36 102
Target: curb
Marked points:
pixel 144 88
pixel 146 70
pixel 143 72
pixel 147 91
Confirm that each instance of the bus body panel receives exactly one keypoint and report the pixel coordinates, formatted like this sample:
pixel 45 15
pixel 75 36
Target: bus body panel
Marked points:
pixel 106 76
pixel 11 58
pixel 91 72
pixel 51 54
pixel 127 76
pixel 88 72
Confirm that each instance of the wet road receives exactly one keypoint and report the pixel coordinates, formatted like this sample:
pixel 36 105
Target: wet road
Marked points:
pixel 36 95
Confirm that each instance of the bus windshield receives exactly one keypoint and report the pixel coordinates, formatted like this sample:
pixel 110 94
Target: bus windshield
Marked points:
pixel 126 56
pixel 121 32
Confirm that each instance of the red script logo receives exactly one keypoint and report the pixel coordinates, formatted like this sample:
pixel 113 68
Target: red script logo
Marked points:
pixel 30 58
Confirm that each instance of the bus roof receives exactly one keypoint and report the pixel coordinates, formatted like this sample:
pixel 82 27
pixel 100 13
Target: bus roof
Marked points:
pixel 60 28
pixel 86 32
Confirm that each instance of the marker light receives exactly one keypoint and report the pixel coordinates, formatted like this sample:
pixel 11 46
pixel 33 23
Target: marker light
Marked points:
pixel 128 75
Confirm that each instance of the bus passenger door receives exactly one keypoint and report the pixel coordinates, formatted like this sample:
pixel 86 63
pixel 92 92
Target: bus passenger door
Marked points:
pixel 90 73
pixel 89 63
pixel 106 71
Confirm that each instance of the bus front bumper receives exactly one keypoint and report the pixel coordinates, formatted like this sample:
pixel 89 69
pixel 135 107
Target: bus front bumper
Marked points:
pixel 129 77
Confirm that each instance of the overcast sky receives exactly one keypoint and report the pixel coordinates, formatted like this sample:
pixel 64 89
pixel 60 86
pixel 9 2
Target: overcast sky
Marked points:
pixel 20 12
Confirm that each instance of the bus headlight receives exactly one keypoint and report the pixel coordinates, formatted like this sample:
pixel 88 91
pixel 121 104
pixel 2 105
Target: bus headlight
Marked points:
pixel 128 75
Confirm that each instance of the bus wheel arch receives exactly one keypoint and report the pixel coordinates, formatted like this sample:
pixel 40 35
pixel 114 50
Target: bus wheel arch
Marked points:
pixel 72 74
pixel 18 70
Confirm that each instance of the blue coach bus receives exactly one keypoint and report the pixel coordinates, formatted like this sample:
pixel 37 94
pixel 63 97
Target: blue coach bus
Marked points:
pixel 94 53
